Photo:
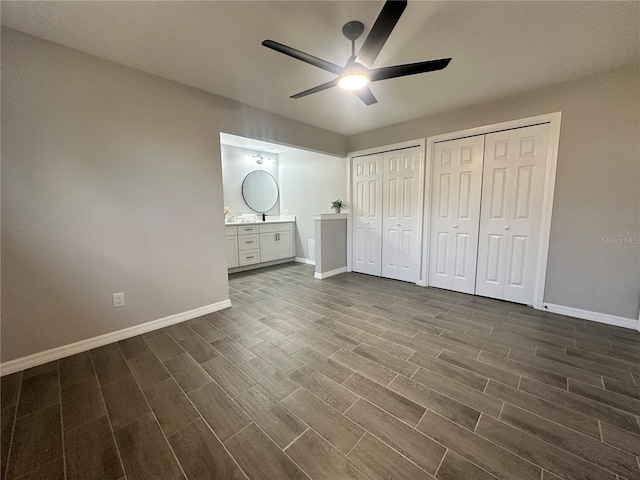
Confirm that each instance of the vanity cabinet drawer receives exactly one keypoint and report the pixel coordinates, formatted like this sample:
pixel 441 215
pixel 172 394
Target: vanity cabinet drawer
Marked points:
pixel 268 228
pixel 230 231
pixel 249 257
pixel 248 242
pixel 284 227
pixel 244 230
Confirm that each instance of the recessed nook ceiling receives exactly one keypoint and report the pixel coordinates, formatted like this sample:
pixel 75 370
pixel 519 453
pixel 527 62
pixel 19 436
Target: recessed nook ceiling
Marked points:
pixel 498 48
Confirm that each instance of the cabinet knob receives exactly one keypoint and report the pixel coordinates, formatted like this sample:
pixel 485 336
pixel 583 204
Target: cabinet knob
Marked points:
pixel 506 227
pixel 455 226
pixel 367 223
pixel 397 224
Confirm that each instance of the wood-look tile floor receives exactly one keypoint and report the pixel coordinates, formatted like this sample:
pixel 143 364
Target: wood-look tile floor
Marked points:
pixel 352 377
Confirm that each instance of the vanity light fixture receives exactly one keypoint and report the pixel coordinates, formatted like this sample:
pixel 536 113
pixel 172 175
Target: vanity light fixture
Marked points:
pixel 259 159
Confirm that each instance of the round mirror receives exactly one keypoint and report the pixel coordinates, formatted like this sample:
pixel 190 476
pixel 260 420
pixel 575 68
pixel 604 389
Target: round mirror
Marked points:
pixel 260 191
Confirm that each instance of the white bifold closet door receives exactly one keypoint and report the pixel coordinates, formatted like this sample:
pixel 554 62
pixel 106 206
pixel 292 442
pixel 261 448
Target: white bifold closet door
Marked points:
pixel 457 182
pixel 367 214
pixel 400 214
pixel 386 214
pixel 515 164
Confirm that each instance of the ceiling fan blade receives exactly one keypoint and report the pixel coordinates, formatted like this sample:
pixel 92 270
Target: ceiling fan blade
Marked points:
pixel 407 69
pixel 366 95
pixel 305 57
pixel 319 88
pixel 382 28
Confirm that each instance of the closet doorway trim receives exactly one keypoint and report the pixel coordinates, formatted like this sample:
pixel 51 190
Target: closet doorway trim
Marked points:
pixel 554 120
pixel 418 143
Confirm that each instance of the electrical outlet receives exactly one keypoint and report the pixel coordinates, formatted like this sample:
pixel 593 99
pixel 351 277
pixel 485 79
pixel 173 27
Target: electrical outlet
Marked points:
pixel 118 300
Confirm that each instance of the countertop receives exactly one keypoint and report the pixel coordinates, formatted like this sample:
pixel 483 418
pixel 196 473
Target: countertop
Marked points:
pixel 270 219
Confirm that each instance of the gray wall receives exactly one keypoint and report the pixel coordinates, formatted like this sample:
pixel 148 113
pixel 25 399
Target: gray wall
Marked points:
pixel 331 244
pixel 111 181
pixel 597 196
pixel 309 182
pixel 236 166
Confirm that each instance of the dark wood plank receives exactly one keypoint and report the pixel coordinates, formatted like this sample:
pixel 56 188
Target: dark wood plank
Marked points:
pixel 363 366
pixel 272 416
pixel 457 347
pixel 261 458
pixel 75 369
pixel 584 405
pixel 171 406
pixel 37 440
pixel 379 461
pixel 341 432
pixel 610 458
pixel 420 449
pixel 207 331
pixel 622 388
pixel 276 357
pixel 187 372
pixel 488 456
pixel 281 341
pixel 387 360
pixel 453 372
pixel 388 400
pixel 38 392
pixel 322 461
pixel 224 416
pixel 309 339
pixel 125 402
pixel 583 364
pixel 481 368
pixel 131 347
pixel 272 380
pixel 53 470
pixel 327 390
pixel 328 367
pixel 91 452
pixel 616 400
pixel 145 452
pixel 621 439
pixel 81 403
pixel 164 346
pixel 7 421
pixel 109 364
pixel 232 380
pixel 517 368
pixel 234 352
pixel 148 370
pixel 200 350
pixel 436 401
pixel 179 331
pixel 551 366
pixel 455 467
pixel 477 400
pixel 201 454
pixel 9 388
pixel 568 417
pixel 540 452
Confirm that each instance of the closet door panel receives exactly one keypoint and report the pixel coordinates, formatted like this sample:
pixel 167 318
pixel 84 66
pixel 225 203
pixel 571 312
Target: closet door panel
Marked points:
pixel 512 193
pixel 455 213
pixel 367 214
pixel 401 219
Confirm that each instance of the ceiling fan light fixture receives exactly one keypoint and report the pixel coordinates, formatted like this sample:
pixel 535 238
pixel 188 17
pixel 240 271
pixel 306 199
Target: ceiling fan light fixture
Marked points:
pixel 353 81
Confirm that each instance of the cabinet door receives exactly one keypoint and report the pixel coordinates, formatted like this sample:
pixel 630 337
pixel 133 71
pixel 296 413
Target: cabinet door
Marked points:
pixel 285 245
pixel 268 248
pixel 367 214
pixel 232 251
pixel 402 170
pixel 455 213
pixel 515 164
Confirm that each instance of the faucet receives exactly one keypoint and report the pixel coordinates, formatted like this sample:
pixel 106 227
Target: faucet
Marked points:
pixel 264 217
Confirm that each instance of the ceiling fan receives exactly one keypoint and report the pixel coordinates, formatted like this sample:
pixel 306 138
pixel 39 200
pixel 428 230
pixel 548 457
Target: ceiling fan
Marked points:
pixel 357 72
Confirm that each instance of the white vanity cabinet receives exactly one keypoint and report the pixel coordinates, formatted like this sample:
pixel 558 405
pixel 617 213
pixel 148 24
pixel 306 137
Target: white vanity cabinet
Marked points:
pixel 255 244
pixel 276 241
pixel 231 238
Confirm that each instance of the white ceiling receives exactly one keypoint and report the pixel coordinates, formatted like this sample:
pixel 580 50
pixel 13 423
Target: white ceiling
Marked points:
pixel 498 48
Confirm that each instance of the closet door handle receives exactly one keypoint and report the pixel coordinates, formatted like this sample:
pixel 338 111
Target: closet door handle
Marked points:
pixel 397 224
pixel 455 226
pixel 367 223
pixel 506 227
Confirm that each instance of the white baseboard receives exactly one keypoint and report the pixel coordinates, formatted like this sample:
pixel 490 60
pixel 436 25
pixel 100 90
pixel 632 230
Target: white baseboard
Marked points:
pixel 304 260
pixel 83 345
pixel 593 316
pixel 330 273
